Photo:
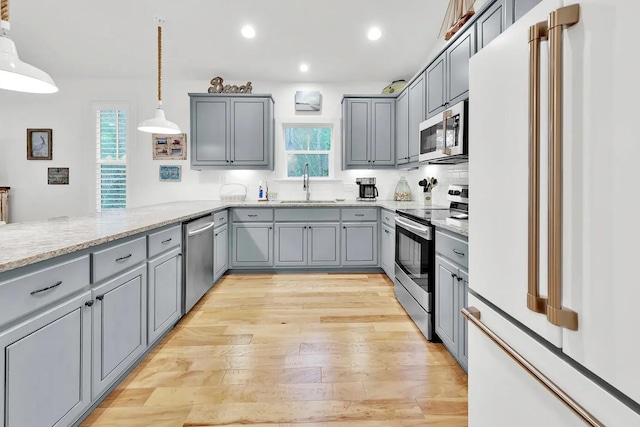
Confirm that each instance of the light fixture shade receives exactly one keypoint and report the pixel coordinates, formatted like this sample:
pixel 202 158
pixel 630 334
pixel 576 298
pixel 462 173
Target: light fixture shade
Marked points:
pixel 19 76
pixel 159 124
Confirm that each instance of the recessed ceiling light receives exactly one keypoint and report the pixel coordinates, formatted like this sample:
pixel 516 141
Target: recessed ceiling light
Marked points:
pixel 248 32
pixel 374 33
pixel 304 68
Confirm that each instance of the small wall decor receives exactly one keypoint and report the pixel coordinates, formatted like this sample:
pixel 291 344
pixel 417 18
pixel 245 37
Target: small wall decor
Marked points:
pixel 58 176
pixel 169 147
pixel 308 100
pixel 39 144
pixel 218 87
pixel 170 173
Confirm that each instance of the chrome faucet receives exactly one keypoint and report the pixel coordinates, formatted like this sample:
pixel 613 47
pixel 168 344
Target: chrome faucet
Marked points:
pixel 305 179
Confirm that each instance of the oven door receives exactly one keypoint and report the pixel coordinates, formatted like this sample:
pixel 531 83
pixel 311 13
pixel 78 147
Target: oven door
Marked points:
pixel 414 250
pixel 432 139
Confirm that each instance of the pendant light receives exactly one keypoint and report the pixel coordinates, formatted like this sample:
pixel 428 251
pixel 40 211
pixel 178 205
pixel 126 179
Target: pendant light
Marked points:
pixel 159 124
pixel 14 74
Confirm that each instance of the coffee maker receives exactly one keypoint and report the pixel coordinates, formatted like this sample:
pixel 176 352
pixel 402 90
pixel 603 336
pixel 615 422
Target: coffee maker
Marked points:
pixel 368 190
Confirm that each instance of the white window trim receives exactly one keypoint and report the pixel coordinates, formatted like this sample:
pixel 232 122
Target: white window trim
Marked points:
pixel 307 122
pixel 113 105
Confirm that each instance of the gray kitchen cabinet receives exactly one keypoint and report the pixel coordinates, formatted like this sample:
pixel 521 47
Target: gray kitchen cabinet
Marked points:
pixel 417 115
pixel 232 131
pixel 46 361
pixel 252 244
pixel 290 244
pixel 388 250
pixel 360 244
pixel 323 244
pixel 452 287
pixel 458 55
pixel 119 326
pixel 165 292
pixel 220 251
pixel 516 9
pixel 369 132
pixel 491 23
pixel 314 244
pixel 436 86
pixel 402 128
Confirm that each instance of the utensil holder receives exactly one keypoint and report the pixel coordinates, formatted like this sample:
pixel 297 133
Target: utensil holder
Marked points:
pixel 427 197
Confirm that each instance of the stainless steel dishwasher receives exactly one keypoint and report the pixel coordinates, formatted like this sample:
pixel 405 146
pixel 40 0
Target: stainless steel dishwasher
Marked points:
pixel 198 260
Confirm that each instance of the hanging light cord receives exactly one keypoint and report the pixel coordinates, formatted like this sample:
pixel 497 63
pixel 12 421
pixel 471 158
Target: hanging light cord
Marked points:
pixel 4 5
pixel 159 62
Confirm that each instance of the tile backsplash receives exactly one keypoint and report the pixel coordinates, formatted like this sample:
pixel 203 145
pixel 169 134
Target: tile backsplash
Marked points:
pixel 445 174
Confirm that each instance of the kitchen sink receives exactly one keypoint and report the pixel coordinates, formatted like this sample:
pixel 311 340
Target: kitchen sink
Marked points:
pixel 307 201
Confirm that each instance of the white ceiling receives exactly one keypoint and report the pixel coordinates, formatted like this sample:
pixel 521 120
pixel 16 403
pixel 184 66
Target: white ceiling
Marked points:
pixel 201 38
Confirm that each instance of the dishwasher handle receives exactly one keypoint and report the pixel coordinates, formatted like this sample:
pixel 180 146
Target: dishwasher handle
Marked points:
pixel 200 230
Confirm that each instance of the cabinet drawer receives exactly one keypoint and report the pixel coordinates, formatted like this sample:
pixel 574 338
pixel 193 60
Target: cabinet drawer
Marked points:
pixel 163 240
pixel 388 218
pixel 110 261
pixel 307 214
pixel 453 248
pixel 248 215
pixel 360 214
pixel 39 288
pixel 220 218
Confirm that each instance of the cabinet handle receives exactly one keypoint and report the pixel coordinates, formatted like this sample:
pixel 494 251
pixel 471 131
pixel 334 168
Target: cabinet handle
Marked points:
pixel 458 252
pixel 459 279
pixel 359 214
pixel 89 303
pixel 47 288
pixel 386 231
pixel 231 161
pixel 373 161
pixel 164 242
pixel 100 297
pixel 122 258
pixel 252 215
pixel 305 227
pixel 270 228
pixel 344 227
pixel 453 275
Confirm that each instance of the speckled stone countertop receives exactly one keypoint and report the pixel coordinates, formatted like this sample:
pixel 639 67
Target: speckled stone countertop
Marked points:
pixel 440 220
pixel 26 243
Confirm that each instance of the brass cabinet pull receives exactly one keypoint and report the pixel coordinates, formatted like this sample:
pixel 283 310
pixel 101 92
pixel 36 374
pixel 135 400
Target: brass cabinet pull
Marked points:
pixel 558 19
pixel 473 315
pixel 537 33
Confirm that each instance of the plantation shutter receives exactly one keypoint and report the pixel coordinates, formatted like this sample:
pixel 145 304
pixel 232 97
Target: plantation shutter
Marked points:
pixel 111 156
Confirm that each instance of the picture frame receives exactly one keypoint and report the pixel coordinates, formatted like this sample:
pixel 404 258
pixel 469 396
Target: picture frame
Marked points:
pixel 308 101
pixel 169 147
pixel 58 176
pixel 170 173
pixel 39 144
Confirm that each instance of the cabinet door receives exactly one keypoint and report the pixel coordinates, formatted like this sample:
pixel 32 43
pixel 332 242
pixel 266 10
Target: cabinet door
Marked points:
pixel 252 245
pixel 357 128
pixel 250 132
pixel 46 365
pixel 290 244
pixel 447 303
pixel 210 140
pixel 491 24
pixel 387 251
pixel 360 244
pixel 220 251
pixel 165 293
pixel 416 116
pixel 463 290
pixel 383 132
pixel 436 88
pixel 119 327
pixel 402 127
pixel 516 9
pixel 324 244
pixel 458 56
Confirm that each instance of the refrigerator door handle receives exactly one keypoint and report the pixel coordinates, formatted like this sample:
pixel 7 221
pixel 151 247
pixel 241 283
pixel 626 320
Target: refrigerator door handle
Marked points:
pixel 558 19
pixel 473 316
pixel 535 303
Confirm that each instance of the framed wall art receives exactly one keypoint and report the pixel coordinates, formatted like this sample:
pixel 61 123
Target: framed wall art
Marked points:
pixel 58 176
pixel 308 101
pixel 39 144
pixel 169 147
pixel 170 173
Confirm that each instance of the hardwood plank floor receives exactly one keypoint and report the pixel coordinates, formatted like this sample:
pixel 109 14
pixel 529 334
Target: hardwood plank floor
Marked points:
pixel 329 350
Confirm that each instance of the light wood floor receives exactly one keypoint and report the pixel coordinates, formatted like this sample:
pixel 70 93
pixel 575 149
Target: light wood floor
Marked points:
pixel 293 350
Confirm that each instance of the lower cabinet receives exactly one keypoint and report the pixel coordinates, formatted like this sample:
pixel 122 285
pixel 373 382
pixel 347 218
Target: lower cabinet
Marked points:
pixel 46 361
pixel 252 245
pixel 220 251
pixel 165 292
pixel 307 244
pixel 360 244
pixel 388 251
pixel 119 326
pixel 323 244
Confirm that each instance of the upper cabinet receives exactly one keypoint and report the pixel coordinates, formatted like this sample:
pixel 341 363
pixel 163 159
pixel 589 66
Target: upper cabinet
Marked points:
pixel 232 131
pixel 369 132
pixel 436 87
pixel 416 116
pixel 491 23
pixel 402 128
pixel 516 9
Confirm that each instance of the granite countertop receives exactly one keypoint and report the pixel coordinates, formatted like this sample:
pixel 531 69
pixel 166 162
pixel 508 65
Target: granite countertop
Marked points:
pixel 441 219
pixel 26 243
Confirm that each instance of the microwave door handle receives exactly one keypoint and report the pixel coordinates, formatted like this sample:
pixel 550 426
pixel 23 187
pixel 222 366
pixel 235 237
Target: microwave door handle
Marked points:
pixel 445 115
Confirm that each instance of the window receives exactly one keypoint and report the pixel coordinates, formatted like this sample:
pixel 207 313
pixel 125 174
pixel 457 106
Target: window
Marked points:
pixel 111 152
pixel 308 143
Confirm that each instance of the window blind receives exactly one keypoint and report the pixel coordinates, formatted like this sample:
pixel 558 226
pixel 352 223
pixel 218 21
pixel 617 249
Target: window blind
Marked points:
pixel 111 159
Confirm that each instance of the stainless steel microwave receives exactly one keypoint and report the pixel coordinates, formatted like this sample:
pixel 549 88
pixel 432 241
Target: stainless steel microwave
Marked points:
pixel 443 138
